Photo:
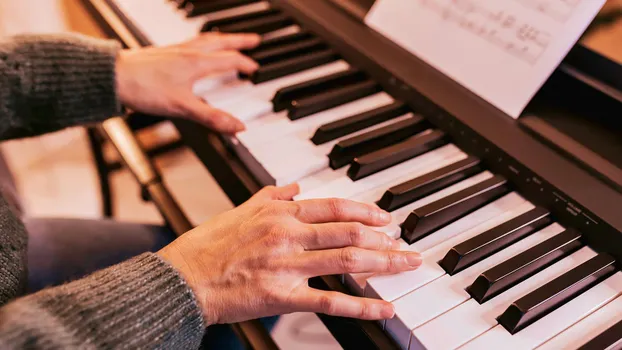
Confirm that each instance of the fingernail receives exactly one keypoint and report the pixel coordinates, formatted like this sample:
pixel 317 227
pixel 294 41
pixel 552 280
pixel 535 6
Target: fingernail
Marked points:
pixel 414 259
pixel 385 216
pixel 387 311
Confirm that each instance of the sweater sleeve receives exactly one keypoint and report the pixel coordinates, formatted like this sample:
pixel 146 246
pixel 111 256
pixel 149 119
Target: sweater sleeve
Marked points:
pixel 141 303
pixel 49 82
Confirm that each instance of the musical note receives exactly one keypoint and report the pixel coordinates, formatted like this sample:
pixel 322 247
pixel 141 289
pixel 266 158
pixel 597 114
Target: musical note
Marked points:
pixel 559 10
pixel 502 50
pixel 517 36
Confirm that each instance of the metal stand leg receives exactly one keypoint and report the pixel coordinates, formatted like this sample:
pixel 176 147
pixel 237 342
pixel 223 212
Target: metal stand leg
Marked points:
pixel 102 171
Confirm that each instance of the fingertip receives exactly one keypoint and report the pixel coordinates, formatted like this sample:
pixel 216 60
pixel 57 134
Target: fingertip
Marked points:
pixel 414 259
pixel 384 216
pixel 388 311
pixel 253 40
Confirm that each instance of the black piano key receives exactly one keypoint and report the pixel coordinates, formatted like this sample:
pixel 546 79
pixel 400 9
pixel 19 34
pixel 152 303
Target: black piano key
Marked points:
pixel 288 51
pixel 497 238
pixel 260 25
pixel 284 97
pixel 348 125
pixel 610 339
pixel 346 150
pixel 556 293
pixel 194 8
pixel 426 184
pixel 215 24
pixel 292 65
pixel 270 43
pixel 425 220
pixel 374 162
pixel 331 98
pixel 511 272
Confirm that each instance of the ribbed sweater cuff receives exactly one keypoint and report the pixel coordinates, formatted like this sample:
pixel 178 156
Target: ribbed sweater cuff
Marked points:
pixel 65 79
pixel 142 303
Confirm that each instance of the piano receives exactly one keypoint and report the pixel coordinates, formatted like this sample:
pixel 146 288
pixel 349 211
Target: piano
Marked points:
pixel 519 221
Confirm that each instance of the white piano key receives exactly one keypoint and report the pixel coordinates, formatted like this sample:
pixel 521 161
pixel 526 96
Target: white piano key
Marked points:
pixel 291 158
pixel 556 321
pixel 238 10
pixel 241 89
pixel 471 319
pixel 162 23
pixel 400 215
pixel 203 86
pixel 344 187
pixel 422 305
pixel 586 329
pixel 391 287
pixel 356 281
pixel 278 124
pixel 281 32
pixel 246 110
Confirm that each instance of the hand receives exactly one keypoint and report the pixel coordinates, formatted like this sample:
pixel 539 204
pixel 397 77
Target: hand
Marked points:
pixel 255 260
pixel 159 80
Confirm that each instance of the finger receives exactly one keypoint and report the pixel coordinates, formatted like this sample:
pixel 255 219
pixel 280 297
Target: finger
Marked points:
pixel 337 209
pixel 342 234
pixel 223 41
pixel 338 304
pixel 284 193
pixel 356 260
pixel 225 61
pixel 213 118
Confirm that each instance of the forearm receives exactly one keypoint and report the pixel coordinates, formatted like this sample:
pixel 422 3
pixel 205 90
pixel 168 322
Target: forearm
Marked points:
pixel 142 303
pixel 52 82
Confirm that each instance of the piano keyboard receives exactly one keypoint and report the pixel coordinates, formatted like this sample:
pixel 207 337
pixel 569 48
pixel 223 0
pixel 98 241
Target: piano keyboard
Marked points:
pixel 498 271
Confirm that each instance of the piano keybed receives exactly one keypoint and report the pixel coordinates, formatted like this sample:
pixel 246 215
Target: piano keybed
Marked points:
pixel 498 271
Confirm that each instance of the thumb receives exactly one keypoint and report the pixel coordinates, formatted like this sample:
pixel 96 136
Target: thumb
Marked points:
pixel 284 193
pixel 213 118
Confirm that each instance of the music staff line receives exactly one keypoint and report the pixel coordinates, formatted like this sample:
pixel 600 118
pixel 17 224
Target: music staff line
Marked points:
pixel 516 36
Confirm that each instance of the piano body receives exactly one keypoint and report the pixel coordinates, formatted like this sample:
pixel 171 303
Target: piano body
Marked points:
pixel 519 221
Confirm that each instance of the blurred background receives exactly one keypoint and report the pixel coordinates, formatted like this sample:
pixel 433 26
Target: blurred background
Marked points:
pixel 57 177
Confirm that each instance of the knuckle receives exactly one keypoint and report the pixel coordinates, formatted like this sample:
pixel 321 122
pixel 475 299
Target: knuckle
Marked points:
pixel 350 259
pixel 268 190
pixel 296 209
pixel 357 234
pixel 314 236
pixel 393 261
pixel 327 304
pixel 365 311
pixel 337 206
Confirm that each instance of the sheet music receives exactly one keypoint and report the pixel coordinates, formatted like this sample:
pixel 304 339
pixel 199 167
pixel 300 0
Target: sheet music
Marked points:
pixel 503 50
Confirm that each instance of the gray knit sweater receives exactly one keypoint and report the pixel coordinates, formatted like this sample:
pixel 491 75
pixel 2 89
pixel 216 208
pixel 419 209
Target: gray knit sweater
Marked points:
pixel 48 83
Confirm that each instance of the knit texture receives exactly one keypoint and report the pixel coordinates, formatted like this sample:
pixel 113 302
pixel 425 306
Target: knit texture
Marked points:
pixel 48 83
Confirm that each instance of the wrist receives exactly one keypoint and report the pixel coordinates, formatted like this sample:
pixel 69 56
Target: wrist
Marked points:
pixel 175 258
pixel 122 81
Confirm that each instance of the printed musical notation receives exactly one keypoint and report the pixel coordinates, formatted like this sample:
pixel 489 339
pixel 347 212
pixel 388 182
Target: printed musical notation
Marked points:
pixel 502 50
pixel 517 36
pixel 559 10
